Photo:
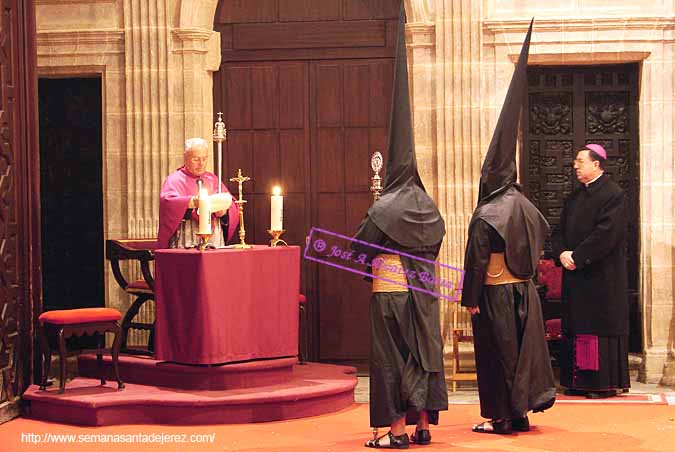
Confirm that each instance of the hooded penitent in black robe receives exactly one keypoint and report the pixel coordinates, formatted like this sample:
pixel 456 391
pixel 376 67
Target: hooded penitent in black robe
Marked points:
pixel 406 356
pixel 512 360
pixel 594 295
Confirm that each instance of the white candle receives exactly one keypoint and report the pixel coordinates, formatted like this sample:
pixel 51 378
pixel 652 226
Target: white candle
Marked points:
pixel 277 211
pixel 204 212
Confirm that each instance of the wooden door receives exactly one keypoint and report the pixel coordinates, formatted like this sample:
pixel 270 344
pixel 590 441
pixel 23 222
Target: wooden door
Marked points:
pixel 567 108
pixel 305 88
pixel 349 123
pixel 19 231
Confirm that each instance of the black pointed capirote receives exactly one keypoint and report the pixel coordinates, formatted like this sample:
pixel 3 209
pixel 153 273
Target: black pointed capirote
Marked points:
pixel 499 166
pixel 405 212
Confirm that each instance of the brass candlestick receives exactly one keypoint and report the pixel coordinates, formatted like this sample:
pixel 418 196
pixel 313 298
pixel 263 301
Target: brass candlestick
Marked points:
pixel 276 241
pixel 203 241
pixel 376 164
pixel 240 203
pixel 203 236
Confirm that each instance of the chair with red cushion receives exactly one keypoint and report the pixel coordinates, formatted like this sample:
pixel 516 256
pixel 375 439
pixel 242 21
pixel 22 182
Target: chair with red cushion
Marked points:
pixel 549 277
pixel 63 324
pixel 141 250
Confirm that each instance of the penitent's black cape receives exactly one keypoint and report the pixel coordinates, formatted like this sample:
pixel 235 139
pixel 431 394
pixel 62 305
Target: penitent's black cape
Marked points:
pixel 514 370
pixel 406 358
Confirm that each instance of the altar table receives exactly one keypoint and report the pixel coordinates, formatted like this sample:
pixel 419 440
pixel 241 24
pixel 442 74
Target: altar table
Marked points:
pixel 220 306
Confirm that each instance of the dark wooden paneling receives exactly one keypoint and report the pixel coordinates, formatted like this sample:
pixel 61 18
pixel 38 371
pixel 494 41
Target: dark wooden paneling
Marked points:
pixel 381 80
pixel 238 113
pixel 306 10
pixel 293 84
pixel 239 155
pixel 266 167
pixel 243 11
pixel 225 35
pixel 367 33
pixel 295 213
pixel 357 160
pixel 330 169
pixel 265 97
pixel 329 95
pixel 292 158
pixel 371 9
pixel 305 54
pixel 259 213
pixel 344 145
pixel 378 140
pixel 356 79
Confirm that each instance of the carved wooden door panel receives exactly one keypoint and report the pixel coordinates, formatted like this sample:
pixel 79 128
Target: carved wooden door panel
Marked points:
pixel 17 232
pixel 568 107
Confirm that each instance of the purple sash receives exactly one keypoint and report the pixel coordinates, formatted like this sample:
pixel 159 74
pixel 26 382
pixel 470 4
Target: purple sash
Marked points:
pixel 586 352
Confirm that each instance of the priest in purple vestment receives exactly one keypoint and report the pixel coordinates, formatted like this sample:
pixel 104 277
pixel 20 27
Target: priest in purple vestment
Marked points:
pixel 178 220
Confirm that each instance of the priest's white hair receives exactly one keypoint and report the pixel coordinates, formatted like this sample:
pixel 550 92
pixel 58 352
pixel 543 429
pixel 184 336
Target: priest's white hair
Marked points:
pixel 191 143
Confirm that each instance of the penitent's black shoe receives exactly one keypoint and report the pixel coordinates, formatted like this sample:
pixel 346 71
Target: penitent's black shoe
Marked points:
pixel 520 424
pixel 544 406
pixel 421 437
pixel 502 427
pixel 395 442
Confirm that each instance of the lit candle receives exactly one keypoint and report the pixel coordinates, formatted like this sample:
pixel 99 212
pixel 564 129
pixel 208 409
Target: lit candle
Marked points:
pixel 204 212
pixel 277 211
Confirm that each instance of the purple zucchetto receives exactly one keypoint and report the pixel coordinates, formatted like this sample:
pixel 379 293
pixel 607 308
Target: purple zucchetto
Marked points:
pixel 598 150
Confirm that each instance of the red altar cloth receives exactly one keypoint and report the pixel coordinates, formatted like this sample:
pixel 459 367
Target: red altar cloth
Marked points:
pixel 226 305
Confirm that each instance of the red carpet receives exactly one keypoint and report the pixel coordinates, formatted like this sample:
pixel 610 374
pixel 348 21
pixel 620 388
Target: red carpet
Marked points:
pixel 564 428
pixel 313 389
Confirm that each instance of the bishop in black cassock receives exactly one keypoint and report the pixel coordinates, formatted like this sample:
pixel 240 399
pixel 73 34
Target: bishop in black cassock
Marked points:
pixel 506 235
pixel 590 244
pixel 407 383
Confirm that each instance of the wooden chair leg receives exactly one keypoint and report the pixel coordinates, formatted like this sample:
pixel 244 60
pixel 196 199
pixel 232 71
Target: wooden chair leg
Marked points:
pixel 100 339
pixel 115 352
pixel 46 355
pixel 61 339
pixel 301 325
pixel 151 339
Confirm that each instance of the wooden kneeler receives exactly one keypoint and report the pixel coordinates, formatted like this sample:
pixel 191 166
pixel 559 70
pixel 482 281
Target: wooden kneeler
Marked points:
pixel 75 322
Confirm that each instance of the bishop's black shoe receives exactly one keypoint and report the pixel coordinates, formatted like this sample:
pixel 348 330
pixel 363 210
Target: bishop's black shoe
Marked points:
pixel 574 392
pixel 600 394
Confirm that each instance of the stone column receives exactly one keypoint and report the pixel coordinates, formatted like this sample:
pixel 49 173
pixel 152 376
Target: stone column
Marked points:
pixel 462 126
pixel 146 26
pixel 657 179
pixel 169 94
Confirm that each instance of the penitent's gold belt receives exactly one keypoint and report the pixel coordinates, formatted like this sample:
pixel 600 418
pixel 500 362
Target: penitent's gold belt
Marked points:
pixel 389 266
pixel 498 273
